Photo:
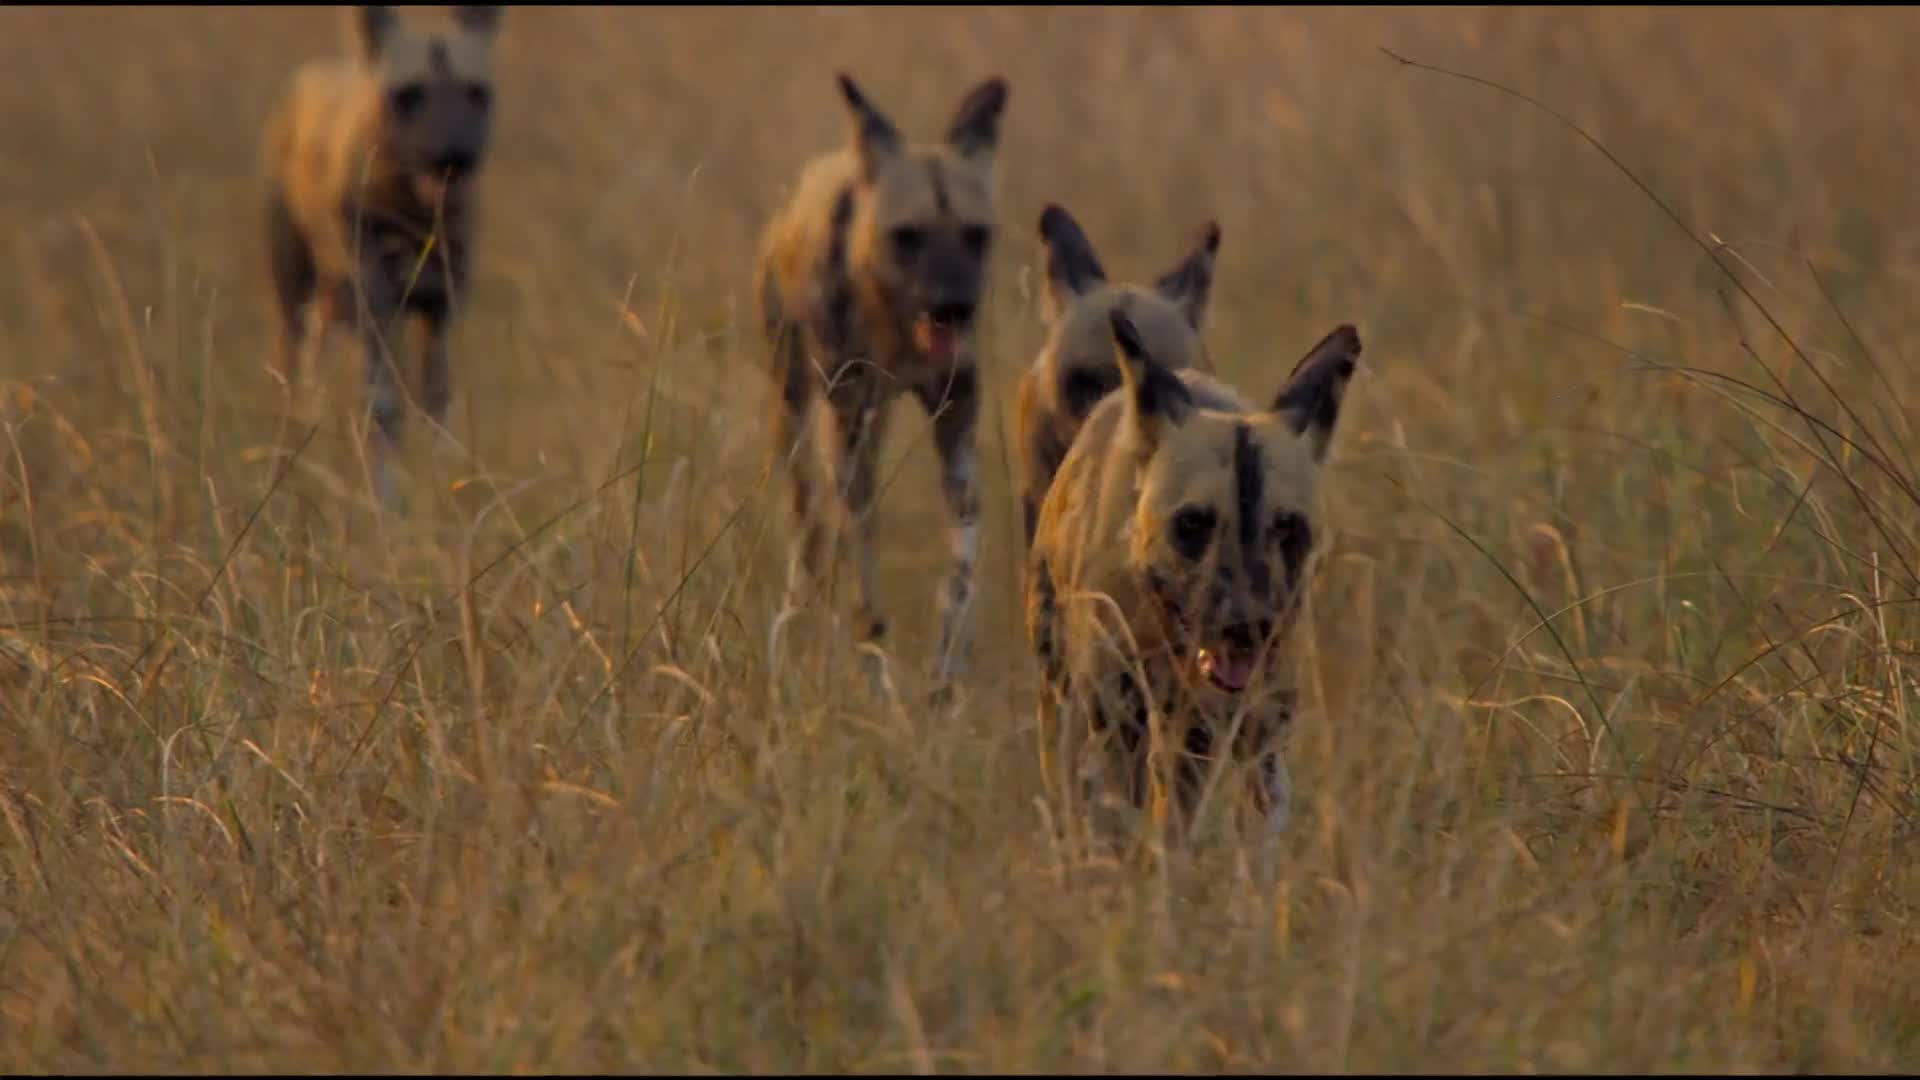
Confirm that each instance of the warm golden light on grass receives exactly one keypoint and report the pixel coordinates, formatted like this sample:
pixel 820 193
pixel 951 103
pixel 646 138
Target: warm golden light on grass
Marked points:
pixel 1606 757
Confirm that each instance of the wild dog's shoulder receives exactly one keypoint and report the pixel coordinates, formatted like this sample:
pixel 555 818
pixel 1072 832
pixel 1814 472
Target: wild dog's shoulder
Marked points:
pixel 327 105
pixel 1068 512
pixel 327 87
pixel 818 206
pixel 802 273
pixel 1043 616
pixel 1040 440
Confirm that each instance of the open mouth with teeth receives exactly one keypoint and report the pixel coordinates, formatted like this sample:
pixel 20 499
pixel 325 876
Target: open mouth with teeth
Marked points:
pixel 939 330
pixel 1229 667
pixel 1228 658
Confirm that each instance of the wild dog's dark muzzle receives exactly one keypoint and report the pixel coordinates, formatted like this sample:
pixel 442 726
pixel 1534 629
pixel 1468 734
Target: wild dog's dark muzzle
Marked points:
pixel 445 176
pixel 1226 643
pixel 455 163
pixel 947 285
pixel 939 328
pixel 954 314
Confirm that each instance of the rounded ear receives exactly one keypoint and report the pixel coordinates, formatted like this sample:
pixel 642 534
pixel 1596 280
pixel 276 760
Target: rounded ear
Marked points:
pixel 1310 401
pixel 875 139
pixel 478 18
pixel 373 24
pixel 1072 267
pixel 1157 400
pixel 1189 285
pixel 975 129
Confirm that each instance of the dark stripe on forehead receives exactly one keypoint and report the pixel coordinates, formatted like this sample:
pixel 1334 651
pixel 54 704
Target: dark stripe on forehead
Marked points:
pixel 940 200
pixel 1250 480
pixel 437 59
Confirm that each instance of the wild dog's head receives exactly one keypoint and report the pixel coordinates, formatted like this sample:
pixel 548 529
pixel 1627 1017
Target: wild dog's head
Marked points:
pixel 924 230
pixel 436 95
pixel 1224 519
pixel 1080 300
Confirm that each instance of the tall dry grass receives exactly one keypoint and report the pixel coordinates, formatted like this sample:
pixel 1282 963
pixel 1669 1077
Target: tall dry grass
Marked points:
pixel 506 782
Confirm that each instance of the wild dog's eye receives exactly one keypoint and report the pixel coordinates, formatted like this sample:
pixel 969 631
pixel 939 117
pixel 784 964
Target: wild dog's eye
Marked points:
pixel 406 100
pixel 1192 529
pixel 907 242
pixel 479 95
pixel 976 238
pixel 1291 534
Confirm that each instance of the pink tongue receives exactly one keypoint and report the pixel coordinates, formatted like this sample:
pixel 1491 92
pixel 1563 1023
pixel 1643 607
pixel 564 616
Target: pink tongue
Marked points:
pixel 1231 670
pixel 937 341
pixel 429 189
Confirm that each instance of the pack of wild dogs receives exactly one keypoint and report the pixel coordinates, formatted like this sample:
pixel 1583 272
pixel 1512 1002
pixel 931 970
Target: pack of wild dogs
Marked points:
pixel 1169 518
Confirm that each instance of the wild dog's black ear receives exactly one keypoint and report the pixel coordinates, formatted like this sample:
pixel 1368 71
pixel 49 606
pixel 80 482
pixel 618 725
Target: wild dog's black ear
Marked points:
pixel 1156 398
pixel 875 138
pixel 975 129
pixel 374 24
pixel 1189 285
pixel 1310 401
pixel 478 18
pixel 1072 267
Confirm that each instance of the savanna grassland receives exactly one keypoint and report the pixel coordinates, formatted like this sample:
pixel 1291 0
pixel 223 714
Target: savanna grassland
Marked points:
pixel 1608 750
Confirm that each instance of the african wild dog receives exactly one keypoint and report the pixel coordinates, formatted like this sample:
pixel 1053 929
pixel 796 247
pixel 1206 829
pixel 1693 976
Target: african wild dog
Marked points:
pixel 868 283
pixel 372 166
pixel 1075 368
pixel 1168 562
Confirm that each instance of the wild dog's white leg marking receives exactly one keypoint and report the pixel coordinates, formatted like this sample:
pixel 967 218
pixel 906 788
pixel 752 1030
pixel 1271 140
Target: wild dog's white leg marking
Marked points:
pixel 1279 787
pixel 1276 789
pixel 955 599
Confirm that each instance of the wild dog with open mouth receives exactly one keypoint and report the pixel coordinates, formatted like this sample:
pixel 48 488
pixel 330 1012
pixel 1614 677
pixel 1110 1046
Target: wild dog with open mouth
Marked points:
pixel 868 283
pixel 1168 563
pixel 1075 368
pixel 372 164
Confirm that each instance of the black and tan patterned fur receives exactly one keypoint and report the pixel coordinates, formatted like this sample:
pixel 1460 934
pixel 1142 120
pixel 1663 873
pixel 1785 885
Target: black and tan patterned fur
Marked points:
pixel 1074 369
pixel 1168 560
pixel 869 281
pixel 373 161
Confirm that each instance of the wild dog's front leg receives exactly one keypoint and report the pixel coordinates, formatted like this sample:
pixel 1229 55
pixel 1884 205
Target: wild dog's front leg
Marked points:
pixel 429 336
pixel 384 333
pixel 954 404
pixel 378 298
pixel 429 333
pixel 1272 787
pixel 1043 635
pixel 295 281
pixel 793 442
pixel 1108 731
pixel 1264 743
pixel 1274 795
pixel 860 415
pixel 386 402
